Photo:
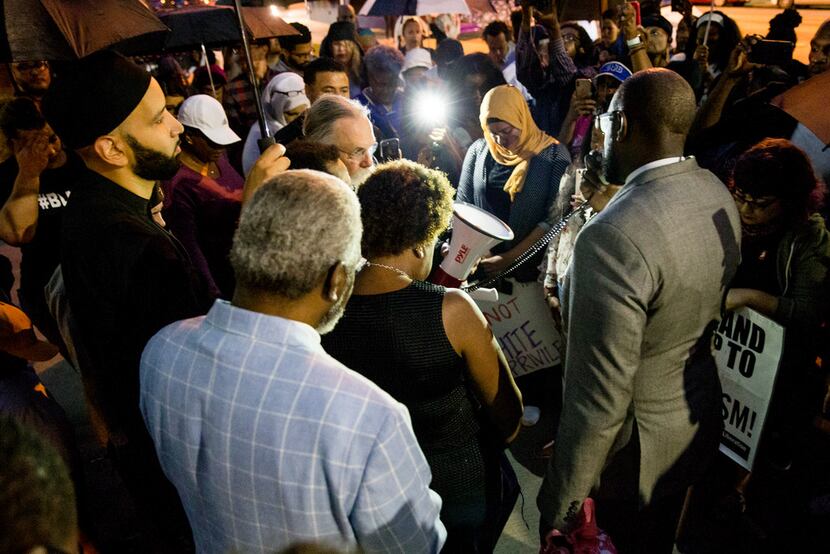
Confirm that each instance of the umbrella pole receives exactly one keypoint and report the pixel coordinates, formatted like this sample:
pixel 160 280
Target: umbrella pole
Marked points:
pixel 708 24
pixel 209 72
pixel 266 140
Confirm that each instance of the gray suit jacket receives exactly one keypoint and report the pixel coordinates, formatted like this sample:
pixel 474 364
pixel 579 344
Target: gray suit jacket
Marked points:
pixel 646 280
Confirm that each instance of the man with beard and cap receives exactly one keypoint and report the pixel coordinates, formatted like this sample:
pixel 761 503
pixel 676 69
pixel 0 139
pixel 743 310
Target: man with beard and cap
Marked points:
pixel 125 277
pixel 641 416
pixel 273 441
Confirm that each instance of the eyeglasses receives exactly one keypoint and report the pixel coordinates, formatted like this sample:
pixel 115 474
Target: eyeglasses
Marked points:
pixel 604 123
pixel 31 66
pixel 754 203
pixel 359 154
pixel 569 38
pixel 288 93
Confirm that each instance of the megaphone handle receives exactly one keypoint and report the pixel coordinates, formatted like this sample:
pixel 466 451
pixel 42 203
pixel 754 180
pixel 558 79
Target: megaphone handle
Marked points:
pixel 529 253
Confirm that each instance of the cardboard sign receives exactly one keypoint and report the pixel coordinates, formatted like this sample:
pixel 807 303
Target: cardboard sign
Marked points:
pixel 524 327
pixel 747 348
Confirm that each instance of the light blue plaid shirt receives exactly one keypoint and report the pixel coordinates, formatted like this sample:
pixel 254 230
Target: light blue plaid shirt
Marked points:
pixel 270 441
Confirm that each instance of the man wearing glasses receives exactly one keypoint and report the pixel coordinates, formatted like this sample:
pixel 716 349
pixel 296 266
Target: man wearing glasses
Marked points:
pixel 641 414
pixel 345 124
pixel 31 79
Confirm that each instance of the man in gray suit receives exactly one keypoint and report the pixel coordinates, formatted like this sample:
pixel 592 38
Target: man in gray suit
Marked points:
pixel 641 415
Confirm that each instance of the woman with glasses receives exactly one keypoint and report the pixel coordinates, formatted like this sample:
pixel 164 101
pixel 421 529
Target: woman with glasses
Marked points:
pixel 283 101
pixel 431 349
pixel 785 256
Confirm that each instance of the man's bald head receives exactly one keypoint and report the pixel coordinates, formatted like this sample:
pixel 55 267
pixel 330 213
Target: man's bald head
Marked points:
pixel 658 102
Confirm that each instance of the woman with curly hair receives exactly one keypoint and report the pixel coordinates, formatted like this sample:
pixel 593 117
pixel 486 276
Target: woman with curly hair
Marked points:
pixel 431 349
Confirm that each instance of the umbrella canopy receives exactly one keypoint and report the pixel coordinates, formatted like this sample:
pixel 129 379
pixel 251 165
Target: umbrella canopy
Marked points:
pixel 420 7
pixel 63 30
pixel 262 23
pixel 210 26
pixel 807 103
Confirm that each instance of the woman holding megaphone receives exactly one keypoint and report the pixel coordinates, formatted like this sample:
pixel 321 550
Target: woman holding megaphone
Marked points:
pixel 513 173
pixel 431 349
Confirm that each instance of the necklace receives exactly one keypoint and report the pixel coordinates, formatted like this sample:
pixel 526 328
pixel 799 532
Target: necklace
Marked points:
pixel 203 169
pixel 400 272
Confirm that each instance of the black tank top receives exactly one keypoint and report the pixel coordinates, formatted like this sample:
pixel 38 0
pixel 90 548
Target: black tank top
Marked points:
pixel 397 340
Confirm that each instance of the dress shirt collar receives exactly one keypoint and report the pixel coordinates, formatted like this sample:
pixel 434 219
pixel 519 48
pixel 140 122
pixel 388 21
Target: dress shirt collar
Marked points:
pixel 652 165
pixel 270 329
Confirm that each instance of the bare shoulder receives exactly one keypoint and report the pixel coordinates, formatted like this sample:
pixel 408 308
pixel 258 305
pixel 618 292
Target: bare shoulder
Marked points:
pixel 459 305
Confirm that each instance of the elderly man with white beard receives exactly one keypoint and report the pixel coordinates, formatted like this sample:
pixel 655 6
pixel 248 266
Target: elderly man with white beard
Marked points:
pixel 344 123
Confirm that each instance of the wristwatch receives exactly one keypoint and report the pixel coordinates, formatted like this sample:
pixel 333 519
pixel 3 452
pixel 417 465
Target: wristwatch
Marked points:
pixel 636 41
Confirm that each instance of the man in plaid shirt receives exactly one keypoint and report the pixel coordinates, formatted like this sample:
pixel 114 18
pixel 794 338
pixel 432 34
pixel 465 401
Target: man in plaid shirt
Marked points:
pixel 269 440
pixel 238 98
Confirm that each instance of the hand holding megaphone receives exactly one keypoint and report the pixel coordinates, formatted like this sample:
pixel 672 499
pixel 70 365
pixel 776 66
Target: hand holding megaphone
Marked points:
pixel 475 231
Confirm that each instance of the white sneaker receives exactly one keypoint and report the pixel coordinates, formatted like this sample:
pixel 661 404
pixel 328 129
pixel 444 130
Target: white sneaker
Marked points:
pixel 530 416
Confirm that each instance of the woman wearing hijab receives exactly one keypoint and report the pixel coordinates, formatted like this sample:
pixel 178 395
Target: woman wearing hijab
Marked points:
pixel 513 173
pixel 283 101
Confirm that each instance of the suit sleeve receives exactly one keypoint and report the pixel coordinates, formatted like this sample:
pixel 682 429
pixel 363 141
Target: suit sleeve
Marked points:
pixel 608 293
pixel 395 510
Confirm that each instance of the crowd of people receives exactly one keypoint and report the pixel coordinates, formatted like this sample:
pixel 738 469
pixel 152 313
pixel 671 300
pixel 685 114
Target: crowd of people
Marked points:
pixel 262 353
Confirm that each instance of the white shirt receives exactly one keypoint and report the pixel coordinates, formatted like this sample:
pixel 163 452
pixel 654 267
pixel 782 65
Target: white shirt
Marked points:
pixel 652 165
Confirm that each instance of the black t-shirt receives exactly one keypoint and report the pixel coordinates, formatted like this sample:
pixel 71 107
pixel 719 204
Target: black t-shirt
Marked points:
pixel 125 278
pixel 41 256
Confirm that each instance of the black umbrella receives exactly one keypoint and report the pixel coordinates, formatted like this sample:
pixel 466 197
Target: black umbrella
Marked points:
pixel 213 27
pixel 210 26
pixel 63 30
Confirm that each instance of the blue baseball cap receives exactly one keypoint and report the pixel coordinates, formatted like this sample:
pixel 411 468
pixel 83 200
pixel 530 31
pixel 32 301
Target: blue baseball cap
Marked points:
pixel 614 69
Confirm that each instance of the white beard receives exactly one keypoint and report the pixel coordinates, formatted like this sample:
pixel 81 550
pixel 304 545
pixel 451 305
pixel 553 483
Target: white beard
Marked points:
pixel 359 177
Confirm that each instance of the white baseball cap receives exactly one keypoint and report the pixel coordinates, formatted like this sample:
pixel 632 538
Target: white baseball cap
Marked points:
pixel 417 57
pixel 204 112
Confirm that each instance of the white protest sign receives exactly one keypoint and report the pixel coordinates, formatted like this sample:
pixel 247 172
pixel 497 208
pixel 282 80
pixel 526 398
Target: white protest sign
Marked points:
pixel 524 327
pixel 747 350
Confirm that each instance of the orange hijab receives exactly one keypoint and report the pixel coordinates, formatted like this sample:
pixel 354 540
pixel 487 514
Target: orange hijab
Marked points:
pixel 506 103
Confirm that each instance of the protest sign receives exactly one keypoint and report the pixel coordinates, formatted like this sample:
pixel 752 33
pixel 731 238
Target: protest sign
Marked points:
pixel 524 327
pixel 747 348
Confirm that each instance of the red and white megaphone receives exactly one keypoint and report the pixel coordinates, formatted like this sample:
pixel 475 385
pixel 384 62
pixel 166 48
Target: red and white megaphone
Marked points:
pixel 474 232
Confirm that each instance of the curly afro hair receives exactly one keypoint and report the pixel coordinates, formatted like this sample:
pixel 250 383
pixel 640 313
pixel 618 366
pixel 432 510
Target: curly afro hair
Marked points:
pixel 403 205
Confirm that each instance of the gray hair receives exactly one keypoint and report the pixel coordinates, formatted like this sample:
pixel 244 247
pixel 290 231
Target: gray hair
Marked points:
pixel 293 230
pixel 320 118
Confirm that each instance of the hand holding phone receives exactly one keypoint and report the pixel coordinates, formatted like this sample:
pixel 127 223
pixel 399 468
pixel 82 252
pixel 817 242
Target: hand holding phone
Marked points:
pixel 637 18
pixel 584 88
